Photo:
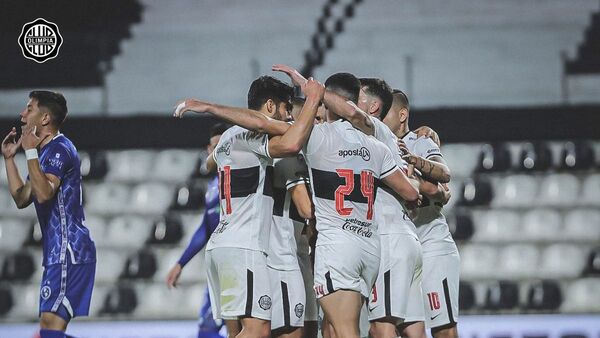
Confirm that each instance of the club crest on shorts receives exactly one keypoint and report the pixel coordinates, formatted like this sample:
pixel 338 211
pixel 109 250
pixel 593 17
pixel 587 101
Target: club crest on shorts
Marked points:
pixel 264 302
pixel 46 292
pixel 40 40
pixel 299 310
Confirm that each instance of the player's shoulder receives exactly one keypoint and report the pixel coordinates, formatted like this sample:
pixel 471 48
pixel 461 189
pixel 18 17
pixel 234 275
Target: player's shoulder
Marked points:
pixel 411 136
pixel 61 143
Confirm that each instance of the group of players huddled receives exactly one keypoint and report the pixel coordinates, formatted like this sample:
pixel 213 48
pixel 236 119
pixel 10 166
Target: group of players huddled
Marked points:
pixel 339 169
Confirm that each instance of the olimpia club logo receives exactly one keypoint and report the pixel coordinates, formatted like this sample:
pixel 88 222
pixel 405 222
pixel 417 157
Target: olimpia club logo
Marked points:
pixel 40 40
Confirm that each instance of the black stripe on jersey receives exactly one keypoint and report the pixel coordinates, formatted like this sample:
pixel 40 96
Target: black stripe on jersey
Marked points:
pixel 387 171
pixel 268 189
pixel 434 154
pixel 249 292
pixel 326 182
pixel 286 304
pixel 243 182
pixel 279 203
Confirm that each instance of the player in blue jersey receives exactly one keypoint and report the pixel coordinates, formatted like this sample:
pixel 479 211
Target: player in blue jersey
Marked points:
pixel 54 187
pixel 207 326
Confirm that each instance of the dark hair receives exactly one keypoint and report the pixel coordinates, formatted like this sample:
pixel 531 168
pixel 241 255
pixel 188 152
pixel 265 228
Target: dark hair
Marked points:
pixel 380 89
pixel 55 102
pixel 217 129
pixel 265 88
pixel 344 84
pixel 401 97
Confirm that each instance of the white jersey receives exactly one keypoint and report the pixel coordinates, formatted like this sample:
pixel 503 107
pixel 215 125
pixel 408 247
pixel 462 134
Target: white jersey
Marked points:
pixel 391 217
pixel 288 172
pixel 431 224
pixel 246 192
pixel 345 168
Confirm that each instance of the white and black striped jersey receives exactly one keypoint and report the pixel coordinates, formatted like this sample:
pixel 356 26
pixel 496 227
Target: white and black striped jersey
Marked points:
pixel 246 191
pixel 390 211
pixel 288 172
pixel 345 167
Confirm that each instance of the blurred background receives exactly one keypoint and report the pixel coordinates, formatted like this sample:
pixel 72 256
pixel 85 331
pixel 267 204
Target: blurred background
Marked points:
pixel 511 86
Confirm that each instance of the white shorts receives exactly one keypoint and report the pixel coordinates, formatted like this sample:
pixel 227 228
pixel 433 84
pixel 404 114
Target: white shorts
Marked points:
pixel 289 298
pixel 397 291
pixel 311 311
pixel 238 283
pixel 440 289
pixel 344 267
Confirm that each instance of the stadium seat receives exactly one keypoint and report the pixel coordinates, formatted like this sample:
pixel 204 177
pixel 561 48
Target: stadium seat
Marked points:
pixel 541 225
pixel 559 190
pixel 583 295
pixel 34 234
pixel 466 296
pixel 151 198
pixel 591 190
pixel 563 261
pixel 140 265
pixel 13 233
pixel 461 226
pixel 98 296
pixel 582 225
pixel 189 196
pixel 191 298
pixel 544 295
pixel 6 300
pixel 577 156
pixel 456 192
pixel 592 267
pixel 200 170
pixel 121 299
pixel 193 272
pixel 173 165
pixel 496 225
pixel 94 165
pixel 461 158
pixel 515 191
pixel 167 230
pixel 128 231
pixel 476 192
pixel 494 158
pixel 518 261
pixel 7 205
pixel 535 157
pixel 26 304
pixel 110 264
pixel 478 261
pixel 21 163
pixel 130 165
pixel 19 266
pixel 502 295
pixel 99 230
pixel 107 198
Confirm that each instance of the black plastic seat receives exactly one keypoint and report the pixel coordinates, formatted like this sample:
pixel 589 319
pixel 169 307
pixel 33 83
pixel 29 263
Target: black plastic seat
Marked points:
pixel 189 196
pixel 18 267
pixel 140 265
pixel 168 230
pixel 120 300
pixel 476 192
pixel 535 157
pixel 576 156
pixel 461 226
pixel 592 267
pixel 466 296
pixel 544 295
pixel 494 158
pixel 6 300
pixel 94 165
pixel 503 295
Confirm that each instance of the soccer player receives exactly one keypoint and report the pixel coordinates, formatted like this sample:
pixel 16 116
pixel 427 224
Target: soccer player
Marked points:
pixel 207 326
pixel 54 187
pixel 236 252
pixel 441 260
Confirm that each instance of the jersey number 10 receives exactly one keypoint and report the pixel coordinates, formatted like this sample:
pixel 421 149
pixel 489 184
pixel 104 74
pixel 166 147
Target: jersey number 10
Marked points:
pixel 367 188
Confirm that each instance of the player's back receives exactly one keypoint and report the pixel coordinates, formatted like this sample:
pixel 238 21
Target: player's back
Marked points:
pixel 345 169
pixel 245 174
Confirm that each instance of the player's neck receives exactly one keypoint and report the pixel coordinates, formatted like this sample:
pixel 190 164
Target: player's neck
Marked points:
pixel 47 140
pixel 402 130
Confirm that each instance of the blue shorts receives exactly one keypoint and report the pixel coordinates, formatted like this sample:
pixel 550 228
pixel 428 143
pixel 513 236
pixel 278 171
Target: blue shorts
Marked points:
pixel 66 289
pixel 206 323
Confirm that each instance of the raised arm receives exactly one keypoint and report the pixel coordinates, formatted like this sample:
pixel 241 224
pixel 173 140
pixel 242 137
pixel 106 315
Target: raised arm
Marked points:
pixel 19 190
pixel 433 168
pixel 301 198
pixel 297 135
pixel 246 118
pixel 43 185
pixel 334 102
pixel 403 187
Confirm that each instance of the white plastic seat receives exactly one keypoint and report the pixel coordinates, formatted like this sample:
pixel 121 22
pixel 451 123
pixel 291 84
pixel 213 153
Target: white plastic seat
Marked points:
pixel 151 198
pixel 583 296
pixel 174 165
pixel 478 261
pixel 98 230
pixel 455 191
pixel 559 190
pixel 128 231
pixel 582 225
pixel 155 301
pixel 461 158
pixel 562 261
pixel 26 302
pixel 518 261
pixel 21 163
pixel 496 225
pixel 98 296
pixel 515 191
pixel 591 190
pixel 108 198
pixel 130 165
pixel 190 299
pixel 13 233
pixel 541 225
pixel 110 264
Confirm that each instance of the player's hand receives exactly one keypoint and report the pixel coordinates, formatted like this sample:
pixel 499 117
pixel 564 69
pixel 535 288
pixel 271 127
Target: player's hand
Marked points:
pixel 193 105
pixel 446 191
pixel 295 76
pixel 428 132
pixel 405 153
pixel 30 139
pixel 173 276
pixel 314 90
pixel 10 144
